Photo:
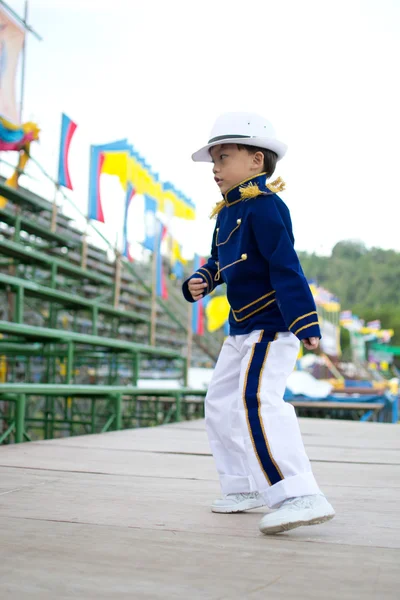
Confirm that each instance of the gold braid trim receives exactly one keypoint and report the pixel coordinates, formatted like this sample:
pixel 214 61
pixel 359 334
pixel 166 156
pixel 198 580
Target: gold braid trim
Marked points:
pixel 277 186
pixel 252 190
pixel 217 209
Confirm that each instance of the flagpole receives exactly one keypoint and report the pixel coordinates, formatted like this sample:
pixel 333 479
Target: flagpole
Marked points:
pixel 20 20
pixel 153 320
pixel 21 103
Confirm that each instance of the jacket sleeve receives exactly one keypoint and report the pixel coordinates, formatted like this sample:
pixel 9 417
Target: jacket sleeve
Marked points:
pixel 206 272
pixel 293 294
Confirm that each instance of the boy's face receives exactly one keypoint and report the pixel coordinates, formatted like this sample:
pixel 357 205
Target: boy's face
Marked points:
pixel 232 166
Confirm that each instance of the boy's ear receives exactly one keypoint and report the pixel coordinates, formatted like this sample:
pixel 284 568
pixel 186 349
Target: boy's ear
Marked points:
pixel 258 159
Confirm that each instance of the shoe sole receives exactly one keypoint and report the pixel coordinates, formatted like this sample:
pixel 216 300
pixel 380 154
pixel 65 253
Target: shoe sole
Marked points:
pixel 238 508
pixel 294 524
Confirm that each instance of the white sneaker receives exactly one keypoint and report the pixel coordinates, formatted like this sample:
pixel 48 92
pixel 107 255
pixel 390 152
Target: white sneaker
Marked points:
pixel 294 512
pixel 234 503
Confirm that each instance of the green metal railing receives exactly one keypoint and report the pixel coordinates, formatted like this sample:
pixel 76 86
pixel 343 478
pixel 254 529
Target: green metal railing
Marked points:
pixel 61 410
pixel 63 344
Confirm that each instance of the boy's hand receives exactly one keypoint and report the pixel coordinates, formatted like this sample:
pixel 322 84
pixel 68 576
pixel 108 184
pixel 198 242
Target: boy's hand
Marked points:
pixel 196 288
pixel 311 343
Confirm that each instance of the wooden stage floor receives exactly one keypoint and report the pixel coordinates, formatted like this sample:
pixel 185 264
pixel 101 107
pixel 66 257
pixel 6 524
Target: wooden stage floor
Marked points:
pixel 126 515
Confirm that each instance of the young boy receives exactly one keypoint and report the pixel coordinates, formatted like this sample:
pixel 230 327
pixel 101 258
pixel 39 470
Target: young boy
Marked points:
pixel 253 433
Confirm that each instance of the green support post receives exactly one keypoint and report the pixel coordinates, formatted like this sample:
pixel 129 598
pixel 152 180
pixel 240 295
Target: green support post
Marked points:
pixel 110 367
pixel 136 368
pixel 46 425
pixel 53 279
pixel 118 412
pixel 95 316
pixel 70 361
pixel 178 411
pixel 93 416
pixel 69 408
pixel 19 308
pixel 20 418
pixel 17 227
pixel 52 413
pixel 185 372
pixel 53 316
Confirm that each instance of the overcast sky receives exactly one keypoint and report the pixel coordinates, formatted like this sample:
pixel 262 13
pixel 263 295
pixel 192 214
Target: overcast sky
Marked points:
pixel 159 72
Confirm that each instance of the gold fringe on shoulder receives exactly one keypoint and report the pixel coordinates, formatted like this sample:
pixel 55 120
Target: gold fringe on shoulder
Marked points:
pixel 277 186
pixel 217 209
pixel 250 191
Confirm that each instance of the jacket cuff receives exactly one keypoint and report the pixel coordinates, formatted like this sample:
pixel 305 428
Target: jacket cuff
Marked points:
pixel 205 274
pixel 185 290
pixel 200 274
pixel 306 326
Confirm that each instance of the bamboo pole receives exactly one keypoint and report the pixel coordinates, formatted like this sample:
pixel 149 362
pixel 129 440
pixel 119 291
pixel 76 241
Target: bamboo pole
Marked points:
pixel 85 246
pixel 117 280
pixel 54 212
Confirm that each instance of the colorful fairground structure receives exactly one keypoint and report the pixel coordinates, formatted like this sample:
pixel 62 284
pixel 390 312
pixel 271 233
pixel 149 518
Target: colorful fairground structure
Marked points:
pixel 354 370
pixel 94 332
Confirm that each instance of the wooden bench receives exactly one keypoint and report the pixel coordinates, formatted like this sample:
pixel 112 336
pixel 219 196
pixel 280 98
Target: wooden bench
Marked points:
pixel 370 409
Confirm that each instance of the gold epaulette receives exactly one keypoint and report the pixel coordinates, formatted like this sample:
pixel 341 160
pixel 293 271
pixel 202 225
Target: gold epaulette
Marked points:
pixel 277 186
pixel 251 190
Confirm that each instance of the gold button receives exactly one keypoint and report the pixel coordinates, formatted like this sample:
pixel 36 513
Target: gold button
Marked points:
pixel 217 230
pixel 244 257
pixel 239 221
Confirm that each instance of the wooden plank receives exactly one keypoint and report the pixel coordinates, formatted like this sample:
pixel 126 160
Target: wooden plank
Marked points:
pixel 179 466
pixel 69 560
pixel 131 501
pixel 191 441
pixel 339 405
pixel 129 523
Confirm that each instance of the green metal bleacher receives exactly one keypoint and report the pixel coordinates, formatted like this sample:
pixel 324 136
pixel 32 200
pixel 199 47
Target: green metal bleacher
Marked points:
pixel 44 280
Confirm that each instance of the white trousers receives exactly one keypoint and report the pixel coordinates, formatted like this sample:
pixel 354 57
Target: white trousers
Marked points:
pixel 253 433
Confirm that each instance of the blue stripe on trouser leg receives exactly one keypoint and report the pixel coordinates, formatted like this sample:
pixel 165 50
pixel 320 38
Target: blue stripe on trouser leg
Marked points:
pixel 252 402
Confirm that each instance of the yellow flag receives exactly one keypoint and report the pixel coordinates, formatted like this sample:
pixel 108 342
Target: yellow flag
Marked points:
pixel 217 312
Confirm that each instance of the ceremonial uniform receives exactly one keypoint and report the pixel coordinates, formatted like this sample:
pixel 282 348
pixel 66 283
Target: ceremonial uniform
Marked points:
pixel 253 432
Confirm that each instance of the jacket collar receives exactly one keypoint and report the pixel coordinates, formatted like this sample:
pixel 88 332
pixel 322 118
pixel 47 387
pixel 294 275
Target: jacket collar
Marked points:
pixel 249 188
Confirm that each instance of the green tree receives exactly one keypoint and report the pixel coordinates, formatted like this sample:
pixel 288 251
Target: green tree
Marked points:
pixel 366 281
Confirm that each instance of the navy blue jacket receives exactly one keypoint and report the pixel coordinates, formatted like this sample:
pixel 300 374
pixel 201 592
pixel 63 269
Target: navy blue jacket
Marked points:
pixel 253 253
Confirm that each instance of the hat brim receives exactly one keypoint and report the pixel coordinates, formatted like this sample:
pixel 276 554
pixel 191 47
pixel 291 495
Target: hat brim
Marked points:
pixel 203 155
